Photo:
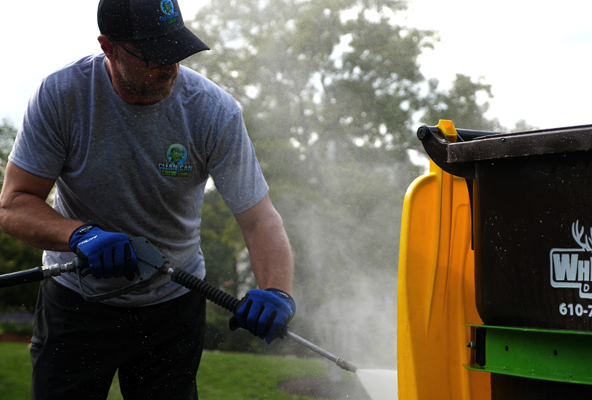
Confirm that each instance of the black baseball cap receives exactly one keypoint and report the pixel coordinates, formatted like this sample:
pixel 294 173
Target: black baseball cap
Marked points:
pixel 155 27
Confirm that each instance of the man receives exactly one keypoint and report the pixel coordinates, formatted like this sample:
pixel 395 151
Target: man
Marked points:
pixel 130 139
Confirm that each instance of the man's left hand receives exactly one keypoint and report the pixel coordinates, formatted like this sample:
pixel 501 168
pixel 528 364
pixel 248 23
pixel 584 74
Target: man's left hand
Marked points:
pixel 266 313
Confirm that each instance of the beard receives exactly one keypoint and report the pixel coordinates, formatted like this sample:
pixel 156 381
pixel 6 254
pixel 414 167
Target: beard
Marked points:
pixel 156 89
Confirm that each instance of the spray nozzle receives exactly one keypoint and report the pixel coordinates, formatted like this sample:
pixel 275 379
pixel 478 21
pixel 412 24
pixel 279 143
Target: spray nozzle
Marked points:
pixel 346 365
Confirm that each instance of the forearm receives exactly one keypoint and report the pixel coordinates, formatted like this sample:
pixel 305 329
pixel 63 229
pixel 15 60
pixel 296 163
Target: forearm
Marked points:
pixel 268 245
pixel 34 222
pixel 271 257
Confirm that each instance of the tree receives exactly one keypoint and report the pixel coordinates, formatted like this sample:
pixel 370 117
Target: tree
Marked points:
pixel 316 72
pixel 15 255
pixel 329 91
pixel 7 135
pixel 221 242
pixel 521 126
pixel 461 104
pixel 466 105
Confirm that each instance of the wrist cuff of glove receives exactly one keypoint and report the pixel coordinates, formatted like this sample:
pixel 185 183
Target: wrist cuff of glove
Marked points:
pixel 281 292
pixel 80 230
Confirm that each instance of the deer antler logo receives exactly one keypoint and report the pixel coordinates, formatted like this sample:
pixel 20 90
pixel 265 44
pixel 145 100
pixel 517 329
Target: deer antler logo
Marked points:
pixel 571 268
pixel 577 235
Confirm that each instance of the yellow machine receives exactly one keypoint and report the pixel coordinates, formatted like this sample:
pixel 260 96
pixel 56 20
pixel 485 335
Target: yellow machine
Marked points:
pixel 436 298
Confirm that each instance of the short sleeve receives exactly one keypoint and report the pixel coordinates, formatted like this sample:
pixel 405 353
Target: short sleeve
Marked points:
pixel 234 167
pixel 39 147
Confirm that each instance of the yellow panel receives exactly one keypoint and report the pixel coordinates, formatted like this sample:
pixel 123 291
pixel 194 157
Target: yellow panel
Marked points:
pixel 436 296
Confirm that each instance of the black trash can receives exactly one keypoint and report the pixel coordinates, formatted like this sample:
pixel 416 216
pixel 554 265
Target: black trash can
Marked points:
pixel 531 195
pixel 532 222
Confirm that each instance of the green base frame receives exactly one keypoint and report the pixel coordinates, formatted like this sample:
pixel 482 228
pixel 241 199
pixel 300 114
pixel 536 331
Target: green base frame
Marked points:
pixel 552 355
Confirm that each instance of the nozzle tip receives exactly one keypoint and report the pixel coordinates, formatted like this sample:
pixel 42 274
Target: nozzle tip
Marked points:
pixel 346 365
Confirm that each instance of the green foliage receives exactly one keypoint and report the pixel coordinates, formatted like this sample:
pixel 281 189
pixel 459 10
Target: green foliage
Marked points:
pixel 223 245
pixel 220 337
pixel 314 72
pixel 221 242
pixel 522 126
pixel 330 92
pixel 7 135
pixel 16 327
pixel 464 104
pixel 16 256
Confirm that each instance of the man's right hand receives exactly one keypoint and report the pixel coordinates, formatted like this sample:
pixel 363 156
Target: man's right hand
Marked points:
pixel 108 254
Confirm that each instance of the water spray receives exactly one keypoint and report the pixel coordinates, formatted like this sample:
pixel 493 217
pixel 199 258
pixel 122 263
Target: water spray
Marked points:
pixel 151 264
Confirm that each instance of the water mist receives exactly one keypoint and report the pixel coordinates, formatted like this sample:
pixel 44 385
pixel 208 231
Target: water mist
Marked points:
pixel 348 291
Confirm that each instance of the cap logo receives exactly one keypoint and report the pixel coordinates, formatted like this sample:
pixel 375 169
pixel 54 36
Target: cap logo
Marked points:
pixel 168 8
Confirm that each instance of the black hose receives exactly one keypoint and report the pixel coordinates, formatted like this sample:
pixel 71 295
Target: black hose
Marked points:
pixel 210 292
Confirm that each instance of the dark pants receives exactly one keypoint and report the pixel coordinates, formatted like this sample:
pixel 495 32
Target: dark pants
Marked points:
pixel 77 347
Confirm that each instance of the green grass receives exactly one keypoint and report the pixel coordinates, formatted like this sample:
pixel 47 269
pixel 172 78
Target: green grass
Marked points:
pixel 222 376
pixel 15 371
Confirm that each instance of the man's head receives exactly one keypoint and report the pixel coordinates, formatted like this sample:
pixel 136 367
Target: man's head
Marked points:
pixel 136 79
pixel 144 40
pixel 154 27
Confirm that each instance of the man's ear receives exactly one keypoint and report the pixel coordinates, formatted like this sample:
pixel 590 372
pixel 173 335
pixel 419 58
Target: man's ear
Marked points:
pixel 108 47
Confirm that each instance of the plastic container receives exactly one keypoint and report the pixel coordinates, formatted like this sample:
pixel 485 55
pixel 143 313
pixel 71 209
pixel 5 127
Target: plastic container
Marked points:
pixel 531 195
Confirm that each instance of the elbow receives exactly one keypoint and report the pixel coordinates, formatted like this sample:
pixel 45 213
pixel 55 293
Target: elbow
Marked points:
pixel 4 217
pixel 8 208
pixel 274 223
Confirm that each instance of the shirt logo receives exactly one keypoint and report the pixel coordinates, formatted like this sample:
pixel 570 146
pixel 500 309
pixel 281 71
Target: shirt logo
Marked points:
pixel 168 8
pixel 175 166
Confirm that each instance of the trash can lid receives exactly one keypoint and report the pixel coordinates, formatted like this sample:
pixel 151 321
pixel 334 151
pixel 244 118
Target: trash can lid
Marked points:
pixel 520 144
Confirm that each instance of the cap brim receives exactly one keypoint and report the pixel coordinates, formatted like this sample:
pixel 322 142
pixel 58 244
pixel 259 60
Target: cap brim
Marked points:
pixel 171 48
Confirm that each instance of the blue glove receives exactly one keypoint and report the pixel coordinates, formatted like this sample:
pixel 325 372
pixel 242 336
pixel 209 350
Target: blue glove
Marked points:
pixel 108 254
pixel 266 313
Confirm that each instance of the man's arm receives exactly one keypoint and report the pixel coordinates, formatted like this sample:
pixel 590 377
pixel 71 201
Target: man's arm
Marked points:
pixel 265 312
pixel 25 215
pixel 269 248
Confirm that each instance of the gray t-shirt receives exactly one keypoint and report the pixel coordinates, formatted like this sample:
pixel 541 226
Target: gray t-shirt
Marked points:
pixel 140 170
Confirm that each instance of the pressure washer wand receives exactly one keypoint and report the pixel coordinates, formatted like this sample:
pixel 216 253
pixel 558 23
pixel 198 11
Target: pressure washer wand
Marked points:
pixel 231 304
pixel 151 264
pixel 341 363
